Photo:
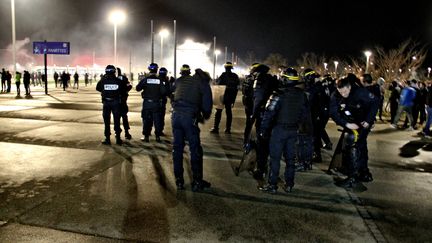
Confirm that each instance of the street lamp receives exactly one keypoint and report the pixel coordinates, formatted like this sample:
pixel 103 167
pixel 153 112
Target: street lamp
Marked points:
pixel 336 64
pixel 325 66
pixel 13 37
pixel 367 54
pixel 216 53
pixel 429 70
pixel 163 33
pixel 116 17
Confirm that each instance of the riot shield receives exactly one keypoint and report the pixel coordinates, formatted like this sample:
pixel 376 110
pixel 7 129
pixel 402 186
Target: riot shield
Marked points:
pixel 218 92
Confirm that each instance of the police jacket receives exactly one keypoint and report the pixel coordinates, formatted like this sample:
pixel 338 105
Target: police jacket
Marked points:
pixel 374 89
pixel 231 81
pixel 359 106
pixel 167 84
pixel 287 107
pixel 128 86
pixel 111 87
pixel 247 90
pixel 264 85
pixel 152 87
pixel 193 96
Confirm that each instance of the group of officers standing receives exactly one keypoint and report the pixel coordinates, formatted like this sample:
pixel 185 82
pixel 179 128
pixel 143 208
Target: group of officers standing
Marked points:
pixel 290 113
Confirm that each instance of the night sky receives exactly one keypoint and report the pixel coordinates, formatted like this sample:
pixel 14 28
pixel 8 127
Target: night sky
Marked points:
pixel 287 27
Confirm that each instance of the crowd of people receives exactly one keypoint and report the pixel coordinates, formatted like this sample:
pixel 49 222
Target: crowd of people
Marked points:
pixel 290 112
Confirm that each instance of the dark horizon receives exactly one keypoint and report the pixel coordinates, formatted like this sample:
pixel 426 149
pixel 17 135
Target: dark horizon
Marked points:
pixel 291 29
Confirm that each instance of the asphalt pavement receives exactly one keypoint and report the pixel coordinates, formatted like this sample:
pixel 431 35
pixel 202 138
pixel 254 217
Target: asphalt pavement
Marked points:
pixel 58 183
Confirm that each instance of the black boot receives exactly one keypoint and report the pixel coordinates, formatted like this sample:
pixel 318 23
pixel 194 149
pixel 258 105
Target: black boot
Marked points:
pixel 199 185
pixel 214 130
pixel 127 135
pixel 365 176
pixel 287 187
pixel 106 141
pixel 118 140
pixel 349 182
pixel 145 139
pixel 180 184
pixel 158 139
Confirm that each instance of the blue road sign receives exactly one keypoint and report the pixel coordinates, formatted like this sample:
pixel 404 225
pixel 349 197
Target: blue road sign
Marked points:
pixel 58 48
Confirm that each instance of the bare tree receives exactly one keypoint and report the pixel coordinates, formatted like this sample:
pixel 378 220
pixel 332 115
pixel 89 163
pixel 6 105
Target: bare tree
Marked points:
pixel 275 61
pixel 400 63
pixel 313 61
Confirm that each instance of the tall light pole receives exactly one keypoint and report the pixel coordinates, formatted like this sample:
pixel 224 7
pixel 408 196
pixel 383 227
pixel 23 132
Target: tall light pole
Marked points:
pixel 116 17
pixel 214 57
pixel 429 70
pixel 216 53
pixel 325 67
pixel 367 54
pixel 163 33
pixel 336 64
pixel 13 38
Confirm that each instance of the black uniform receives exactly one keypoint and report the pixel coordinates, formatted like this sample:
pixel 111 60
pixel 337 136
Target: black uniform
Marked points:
pixel 286 111
pixel 26 81
pixel 168 94
pixel 56 77
pixel 153 91
pixel 360 106
pixel 111 89
pixel 394 99
pixel 3 80
pixel 124 109
pixel 231 81
pixel 264 85
pixel 192 103
pixel 248 102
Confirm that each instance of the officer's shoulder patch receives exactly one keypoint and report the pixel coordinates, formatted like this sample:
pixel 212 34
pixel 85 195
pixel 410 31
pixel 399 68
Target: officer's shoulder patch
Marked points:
pixel 153 81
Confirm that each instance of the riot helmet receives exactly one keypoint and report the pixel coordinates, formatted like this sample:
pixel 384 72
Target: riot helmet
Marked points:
pixel 185 70
pixel 289 77
pixel 163 72
pixel 309 75
pixel 153 67
pixel 228 65
pixel 110 69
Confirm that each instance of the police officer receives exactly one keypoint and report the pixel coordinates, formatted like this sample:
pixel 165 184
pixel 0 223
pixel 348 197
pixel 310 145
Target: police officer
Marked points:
pixel 192 103
pixel 264 85
pixel 124 109
pixel 26 81
pixel 285 113
pixel 248 102
pixel 354 108
pixel 111 89
pixel 314 91
pixel 163 76
pixel 153 92
pixel 231 81
pixel 326 82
